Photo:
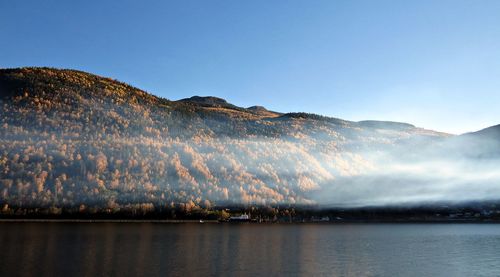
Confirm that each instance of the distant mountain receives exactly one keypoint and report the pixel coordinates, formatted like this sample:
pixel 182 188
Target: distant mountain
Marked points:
pixel 74 140
pixel 492 133
pixel 484 144
pixel 386 124
pixel 263 111
pixel 209 101
pixel 257 109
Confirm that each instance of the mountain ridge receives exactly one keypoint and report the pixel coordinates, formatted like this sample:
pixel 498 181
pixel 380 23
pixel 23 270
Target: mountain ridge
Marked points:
pixel 205 101
pixel 75 140
pixel 211 101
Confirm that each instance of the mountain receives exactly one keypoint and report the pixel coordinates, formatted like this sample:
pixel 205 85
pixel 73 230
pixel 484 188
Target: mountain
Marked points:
pixel 263 111
pixel 492 132
pixel 73 140
pixel 209 101
pixel 483 144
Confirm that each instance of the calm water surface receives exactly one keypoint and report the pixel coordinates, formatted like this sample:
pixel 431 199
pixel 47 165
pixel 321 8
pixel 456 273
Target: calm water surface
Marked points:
pixel 138 249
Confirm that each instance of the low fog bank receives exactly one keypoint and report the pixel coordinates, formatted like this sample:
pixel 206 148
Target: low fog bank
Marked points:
pixel 413 184
pixel 452 169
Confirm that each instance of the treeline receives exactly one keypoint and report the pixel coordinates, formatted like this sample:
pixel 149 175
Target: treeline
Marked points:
pixel 486 212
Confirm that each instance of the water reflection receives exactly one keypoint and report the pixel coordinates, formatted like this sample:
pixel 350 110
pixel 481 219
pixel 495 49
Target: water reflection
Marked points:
pixel 118 249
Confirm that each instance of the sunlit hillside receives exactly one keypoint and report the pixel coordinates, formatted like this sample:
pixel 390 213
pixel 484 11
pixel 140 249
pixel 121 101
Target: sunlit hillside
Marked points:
pixel 70 139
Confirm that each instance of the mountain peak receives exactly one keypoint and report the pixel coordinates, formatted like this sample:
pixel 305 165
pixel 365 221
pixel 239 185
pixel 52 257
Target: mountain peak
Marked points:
pixel 205 100
pixel 257 109
pixel 260 110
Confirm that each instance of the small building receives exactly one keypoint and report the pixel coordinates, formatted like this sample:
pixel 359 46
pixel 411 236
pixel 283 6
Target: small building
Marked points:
pixel 240 218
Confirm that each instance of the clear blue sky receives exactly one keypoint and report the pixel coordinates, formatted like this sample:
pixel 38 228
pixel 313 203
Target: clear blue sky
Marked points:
pixel 435 64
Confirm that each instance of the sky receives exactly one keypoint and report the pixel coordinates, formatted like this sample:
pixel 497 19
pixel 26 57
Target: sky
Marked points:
pixel 435 64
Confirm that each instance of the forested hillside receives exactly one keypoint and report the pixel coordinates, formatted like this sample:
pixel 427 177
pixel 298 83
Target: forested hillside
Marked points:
pixel 73 140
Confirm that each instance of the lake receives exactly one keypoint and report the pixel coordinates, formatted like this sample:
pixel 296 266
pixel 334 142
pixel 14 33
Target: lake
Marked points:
pixel 138 249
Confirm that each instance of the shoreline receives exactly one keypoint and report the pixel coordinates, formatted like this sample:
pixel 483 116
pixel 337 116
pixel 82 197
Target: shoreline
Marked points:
pixel 32 220
pixel 171 221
